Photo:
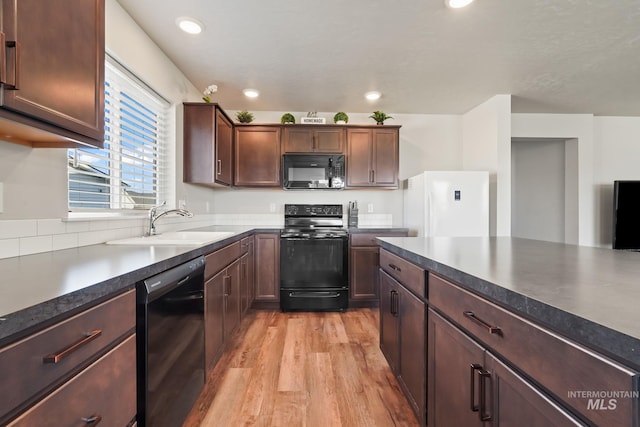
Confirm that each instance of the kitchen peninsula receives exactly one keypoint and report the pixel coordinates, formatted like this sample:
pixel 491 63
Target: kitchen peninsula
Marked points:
pixel 550 328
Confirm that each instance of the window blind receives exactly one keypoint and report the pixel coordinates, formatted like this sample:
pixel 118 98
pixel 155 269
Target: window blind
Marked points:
pixel 127 173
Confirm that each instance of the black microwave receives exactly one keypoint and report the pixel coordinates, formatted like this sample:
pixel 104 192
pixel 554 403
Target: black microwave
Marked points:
pixel 313 171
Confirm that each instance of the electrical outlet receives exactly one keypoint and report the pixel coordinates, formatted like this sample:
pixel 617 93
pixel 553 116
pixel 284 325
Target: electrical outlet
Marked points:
pixel 207 207
pixel 272 207
pixel 370 208
pixel 1 197
pixel 182 204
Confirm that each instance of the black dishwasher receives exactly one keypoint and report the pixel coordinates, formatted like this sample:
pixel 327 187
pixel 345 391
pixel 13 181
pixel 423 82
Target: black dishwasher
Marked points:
pixel 170 344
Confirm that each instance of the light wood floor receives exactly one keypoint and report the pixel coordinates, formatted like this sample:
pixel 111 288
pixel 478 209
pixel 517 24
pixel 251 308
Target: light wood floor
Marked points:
pixel 303 369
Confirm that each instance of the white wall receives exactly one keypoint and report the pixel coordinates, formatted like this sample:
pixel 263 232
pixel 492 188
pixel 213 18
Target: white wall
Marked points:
pixel 617 154
pixel 486 145
pixel 568 126
pixel 538 189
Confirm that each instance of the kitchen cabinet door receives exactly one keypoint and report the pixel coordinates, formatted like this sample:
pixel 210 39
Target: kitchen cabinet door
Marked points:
pixel 257 156
pixel 364 255
pixel 214 294
pixel 390 320
pixel 516 402
pixel 359 157
pixel 54 77
pixel 454 365
pixel 311 139
pixel 413 350
pixel 232 298
pixel 385 157
pixel 208 145
pixel 267 267
pixel 363 266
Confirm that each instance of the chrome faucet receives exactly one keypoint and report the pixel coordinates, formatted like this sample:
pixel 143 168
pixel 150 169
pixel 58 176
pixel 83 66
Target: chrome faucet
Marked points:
pixel 154 216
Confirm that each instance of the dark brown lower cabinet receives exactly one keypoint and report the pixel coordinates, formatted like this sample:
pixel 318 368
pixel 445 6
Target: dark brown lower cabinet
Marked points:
pixel 214 318
pixel 267 267
pixel 232 298
pixel 469 386
pixel 402 339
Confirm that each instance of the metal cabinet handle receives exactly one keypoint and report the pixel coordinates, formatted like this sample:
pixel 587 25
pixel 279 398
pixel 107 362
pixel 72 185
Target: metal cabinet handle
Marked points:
pixel 16 69
pixel 492 329
pixel 472 385
pixel 3 58
pixel 227 286
pixel 395 303
pixel 395 267
pixel 93 419
pixel 484 376
pixel 219 166
pixel 57 357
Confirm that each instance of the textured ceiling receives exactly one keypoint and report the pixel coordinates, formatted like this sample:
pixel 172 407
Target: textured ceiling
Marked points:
pixel 552 56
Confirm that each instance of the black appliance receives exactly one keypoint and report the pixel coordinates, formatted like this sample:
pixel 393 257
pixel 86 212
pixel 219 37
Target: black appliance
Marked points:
pixel 626 215
pixel 314 274
pixel 313 171
pixel 170 344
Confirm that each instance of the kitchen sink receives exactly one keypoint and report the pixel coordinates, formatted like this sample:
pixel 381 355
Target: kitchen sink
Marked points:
pixel 176 238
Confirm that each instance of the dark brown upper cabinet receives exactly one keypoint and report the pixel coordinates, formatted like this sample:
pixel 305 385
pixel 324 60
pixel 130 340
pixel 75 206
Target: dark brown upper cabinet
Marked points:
pixel 208 145
pixel 257 156
pixel 372 156
pixel 52 72
pixel 313 139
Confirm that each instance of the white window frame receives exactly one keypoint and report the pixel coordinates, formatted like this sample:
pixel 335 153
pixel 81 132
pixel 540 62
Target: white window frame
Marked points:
pixel 122 80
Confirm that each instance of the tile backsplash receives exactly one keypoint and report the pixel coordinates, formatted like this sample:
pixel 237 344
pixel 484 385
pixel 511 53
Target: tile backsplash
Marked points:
pixel 25 237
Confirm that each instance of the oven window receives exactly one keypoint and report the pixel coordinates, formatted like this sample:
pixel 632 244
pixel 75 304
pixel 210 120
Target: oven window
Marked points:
pixel 313 263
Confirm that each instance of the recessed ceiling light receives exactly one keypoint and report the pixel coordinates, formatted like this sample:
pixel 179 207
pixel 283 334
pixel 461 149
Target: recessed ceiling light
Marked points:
pixel 251 93
pixel 190 25
pixel 457 4
pixel 373 95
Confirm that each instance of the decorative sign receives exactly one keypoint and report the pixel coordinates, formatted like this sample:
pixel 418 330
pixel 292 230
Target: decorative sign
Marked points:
pixel 313 120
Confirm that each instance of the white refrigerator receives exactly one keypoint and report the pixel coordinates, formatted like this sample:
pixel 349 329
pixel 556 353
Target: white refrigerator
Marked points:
pixel 447 203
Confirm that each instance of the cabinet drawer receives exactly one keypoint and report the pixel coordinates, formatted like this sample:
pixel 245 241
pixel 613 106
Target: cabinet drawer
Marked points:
pixel 25 373
pixel 558 364
pixel 221 258
pixel 410 275
pixel 106 389
pixel 245 244
pixel 369 239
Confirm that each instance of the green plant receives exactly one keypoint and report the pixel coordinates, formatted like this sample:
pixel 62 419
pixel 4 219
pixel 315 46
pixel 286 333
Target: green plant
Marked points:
pixel 340 115
pixel 380 117
pixel 244 116
pixel 287 118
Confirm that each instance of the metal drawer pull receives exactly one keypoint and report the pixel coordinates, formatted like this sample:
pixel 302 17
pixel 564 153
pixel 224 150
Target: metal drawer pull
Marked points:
pixel 492 329
pixel 484 415
pixel 474 367
pixel 395 267
pixel 57 357
pixel 93 419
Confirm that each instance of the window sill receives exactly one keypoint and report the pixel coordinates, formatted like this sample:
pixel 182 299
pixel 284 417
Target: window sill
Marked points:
pixel 103 216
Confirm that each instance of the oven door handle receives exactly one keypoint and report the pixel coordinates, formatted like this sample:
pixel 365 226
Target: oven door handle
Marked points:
pixel 314 294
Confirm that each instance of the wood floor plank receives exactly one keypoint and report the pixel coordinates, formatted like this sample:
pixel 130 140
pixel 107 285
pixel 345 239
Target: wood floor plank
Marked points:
pixel 323 397
pixel 303 369
pixel 293 357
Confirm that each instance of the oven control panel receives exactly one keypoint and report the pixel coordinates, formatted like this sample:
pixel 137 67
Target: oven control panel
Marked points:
pixel 313 210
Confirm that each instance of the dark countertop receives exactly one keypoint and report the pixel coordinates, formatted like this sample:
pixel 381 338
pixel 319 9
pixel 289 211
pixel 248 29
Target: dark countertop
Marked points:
pixel 37 290
pixel 357 230
pixel 591 295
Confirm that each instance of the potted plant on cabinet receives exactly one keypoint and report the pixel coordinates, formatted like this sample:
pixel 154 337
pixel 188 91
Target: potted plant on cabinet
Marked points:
pixel 244 116
pixel 287 119
pixel 380 117
pixel 341 118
